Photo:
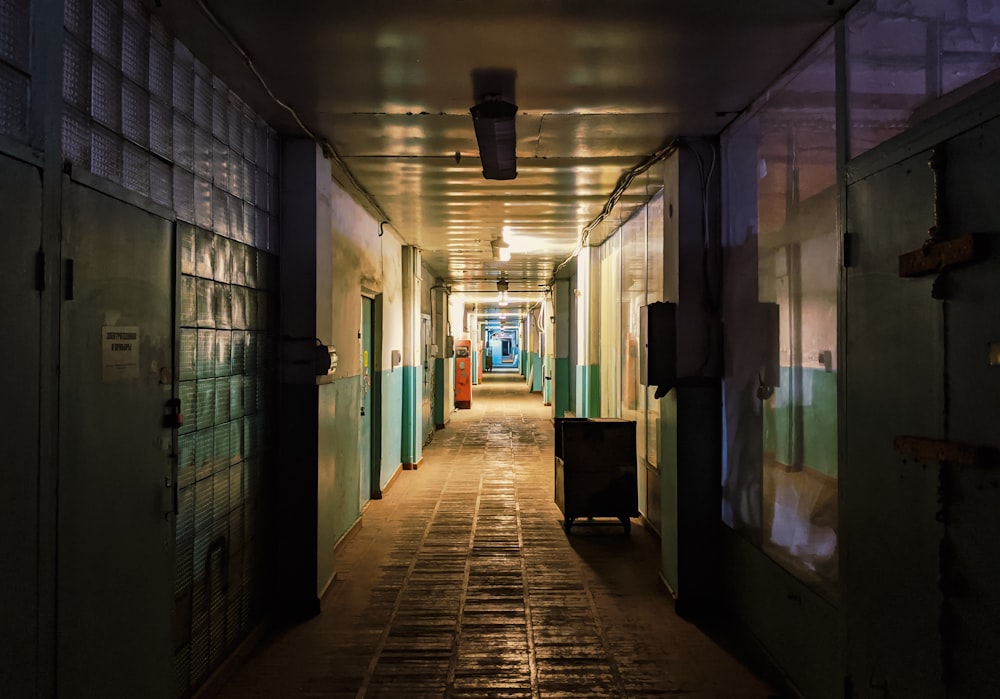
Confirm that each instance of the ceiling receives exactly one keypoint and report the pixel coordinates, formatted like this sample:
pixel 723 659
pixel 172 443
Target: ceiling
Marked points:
pixel 600 86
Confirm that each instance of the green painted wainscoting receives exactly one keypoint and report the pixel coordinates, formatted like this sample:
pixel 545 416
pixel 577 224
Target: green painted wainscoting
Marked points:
pixel 534 375
pixel 547 386
pixel 394 421
pixel 410 416
pixel 561 378
pixel 588 390
pixel 819 422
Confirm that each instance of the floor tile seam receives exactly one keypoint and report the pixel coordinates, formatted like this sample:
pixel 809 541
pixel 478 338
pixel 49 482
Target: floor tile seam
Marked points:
pixel 602 634
pixel 397 603
pixel 525 584
pixel 583 580
pixel 457 640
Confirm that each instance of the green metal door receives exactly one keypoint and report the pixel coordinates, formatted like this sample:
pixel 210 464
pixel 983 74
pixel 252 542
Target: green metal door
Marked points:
pixel 923 384
pixel 21 202
pixel 115 527
pixel 367 367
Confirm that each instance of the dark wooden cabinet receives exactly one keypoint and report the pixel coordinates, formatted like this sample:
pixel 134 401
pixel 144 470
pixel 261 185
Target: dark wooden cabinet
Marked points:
pixel 595 470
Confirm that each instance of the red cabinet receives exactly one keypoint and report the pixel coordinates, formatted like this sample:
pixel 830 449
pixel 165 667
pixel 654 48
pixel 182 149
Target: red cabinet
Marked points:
pixel 463 373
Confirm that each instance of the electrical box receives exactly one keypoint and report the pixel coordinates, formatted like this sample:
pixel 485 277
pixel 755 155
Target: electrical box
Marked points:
pixel 325 362
pixel 449 346
pixel 307 359
pixel 397 358
pixel 658 353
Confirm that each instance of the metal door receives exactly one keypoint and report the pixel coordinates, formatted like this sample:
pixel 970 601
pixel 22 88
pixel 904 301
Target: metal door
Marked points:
pixel 427 403
pixel 115 549
pixel 21 202
pixel 367 361
pixel 923 363
pixel 969 569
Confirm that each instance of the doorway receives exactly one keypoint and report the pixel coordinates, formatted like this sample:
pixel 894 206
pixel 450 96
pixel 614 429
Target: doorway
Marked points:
pixel 427 402
pixel 370 441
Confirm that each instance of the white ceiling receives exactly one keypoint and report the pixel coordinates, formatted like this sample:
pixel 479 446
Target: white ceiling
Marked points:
pixel 599 87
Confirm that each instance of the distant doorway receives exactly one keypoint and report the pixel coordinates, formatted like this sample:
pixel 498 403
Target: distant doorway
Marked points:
pixel 502 349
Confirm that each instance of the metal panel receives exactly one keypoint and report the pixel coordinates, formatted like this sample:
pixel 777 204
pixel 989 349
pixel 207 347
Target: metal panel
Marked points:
pixel 20 199
pixel 115 542
pixel 919 373
pixel 971 614
pixel 894 386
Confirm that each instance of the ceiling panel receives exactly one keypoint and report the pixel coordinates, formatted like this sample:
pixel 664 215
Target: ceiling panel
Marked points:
pixel 599 86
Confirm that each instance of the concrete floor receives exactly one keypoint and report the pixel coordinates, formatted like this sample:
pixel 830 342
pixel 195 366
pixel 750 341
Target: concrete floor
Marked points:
pixel 462 583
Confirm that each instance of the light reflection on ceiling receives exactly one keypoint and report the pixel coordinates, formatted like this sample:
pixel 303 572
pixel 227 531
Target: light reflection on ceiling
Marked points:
pixel 599 87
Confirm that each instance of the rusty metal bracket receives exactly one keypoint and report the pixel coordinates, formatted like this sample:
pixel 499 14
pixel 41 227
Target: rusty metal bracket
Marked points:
pixel 935 257
pixel 940 252
pixel 924 449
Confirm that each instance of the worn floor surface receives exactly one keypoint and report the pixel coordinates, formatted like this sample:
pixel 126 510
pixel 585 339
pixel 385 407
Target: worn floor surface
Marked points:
pixel 462 583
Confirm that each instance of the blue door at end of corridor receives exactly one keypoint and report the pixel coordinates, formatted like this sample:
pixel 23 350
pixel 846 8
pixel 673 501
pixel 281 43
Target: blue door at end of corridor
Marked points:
pixel 365 422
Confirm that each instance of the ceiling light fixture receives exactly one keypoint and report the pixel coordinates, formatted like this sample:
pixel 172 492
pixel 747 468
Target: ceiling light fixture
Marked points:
pixel 501 249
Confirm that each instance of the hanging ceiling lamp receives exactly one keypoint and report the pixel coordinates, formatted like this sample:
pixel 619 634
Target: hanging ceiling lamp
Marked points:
pixel 493 119
pixel 501 249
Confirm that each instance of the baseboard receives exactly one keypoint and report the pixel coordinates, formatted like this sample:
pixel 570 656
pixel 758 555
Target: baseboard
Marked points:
pixel 648 526
pixel 665 584
pixel 215 682
pixel 414 465
pixel 326 588
pixel 392 479
pixel 348 535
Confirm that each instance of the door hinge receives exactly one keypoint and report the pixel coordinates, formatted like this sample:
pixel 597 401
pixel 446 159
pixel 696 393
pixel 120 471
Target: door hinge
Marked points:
pixel 39 271
pixel 168 503
pixel 69 291
pixel 848 249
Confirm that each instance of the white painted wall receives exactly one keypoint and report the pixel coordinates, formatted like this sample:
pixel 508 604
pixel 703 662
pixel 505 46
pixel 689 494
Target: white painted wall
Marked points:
pixel 361 260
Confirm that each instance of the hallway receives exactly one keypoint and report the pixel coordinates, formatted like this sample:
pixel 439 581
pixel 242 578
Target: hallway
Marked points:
pixel 462 583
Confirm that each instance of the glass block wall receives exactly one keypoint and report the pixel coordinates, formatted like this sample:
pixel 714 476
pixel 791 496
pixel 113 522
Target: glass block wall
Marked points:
pixel 141 111
pixel 225 371
pixel 15 67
